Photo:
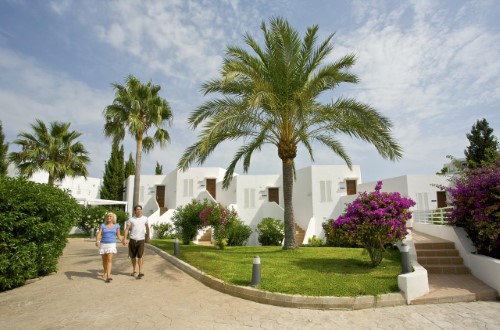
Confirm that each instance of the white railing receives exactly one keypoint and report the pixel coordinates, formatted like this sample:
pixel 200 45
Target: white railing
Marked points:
pixel 438 216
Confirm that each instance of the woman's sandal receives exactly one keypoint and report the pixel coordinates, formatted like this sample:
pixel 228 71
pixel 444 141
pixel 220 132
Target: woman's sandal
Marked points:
pixel 107 280
pixel 133 274
pixel 141 274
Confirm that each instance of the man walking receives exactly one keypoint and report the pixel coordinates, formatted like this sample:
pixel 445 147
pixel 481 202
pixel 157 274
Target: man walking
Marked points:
pixel 139 229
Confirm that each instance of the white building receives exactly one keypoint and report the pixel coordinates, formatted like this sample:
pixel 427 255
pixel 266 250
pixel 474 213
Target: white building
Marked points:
pixel 320 193
pixel 85 190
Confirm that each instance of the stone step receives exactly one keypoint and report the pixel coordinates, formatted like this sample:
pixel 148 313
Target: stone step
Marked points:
pixel 440 260
pixel 299 234
pixel 435 246
pixel 207 236
pixel 438 253
pixel 447 269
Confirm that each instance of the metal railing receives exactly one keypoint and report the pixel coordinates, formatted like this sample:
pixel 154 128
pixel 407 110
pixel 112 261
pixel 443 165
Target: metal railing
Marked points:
pixel 438 216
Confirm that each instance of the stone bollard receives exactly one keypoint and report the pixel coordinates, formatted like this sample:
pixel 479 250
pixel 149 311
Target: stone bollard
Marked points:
pixel 255 271
pixel 405 259
pixel 176 247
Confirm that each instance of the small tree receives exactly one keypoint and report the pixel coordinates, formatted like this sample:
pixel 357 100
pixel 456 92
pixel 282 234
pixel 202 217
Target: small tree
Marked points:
pixel 187 220
pixel 373 221
pixel 475 197
pixel 483 146
pixel 220 219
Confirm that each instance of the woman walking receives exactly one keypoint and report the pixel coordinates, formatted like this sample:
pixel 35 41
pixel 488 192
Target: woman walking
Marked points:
pixel 106 241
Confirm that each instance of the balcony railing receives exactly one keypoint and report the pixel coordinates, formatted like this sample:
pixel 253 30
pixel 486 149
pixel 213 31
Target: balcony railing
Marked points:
pixel 438 216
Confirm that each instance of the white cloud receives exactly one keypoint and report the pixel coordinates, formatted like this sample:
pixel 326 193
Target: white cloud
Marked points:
pixel 430 67
pixel 29 91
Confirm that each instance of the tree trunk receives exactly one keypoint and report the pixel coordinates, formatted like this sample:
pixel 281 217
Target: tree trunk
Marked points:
pixel 137 177
pixel 52 180
pixel 290 242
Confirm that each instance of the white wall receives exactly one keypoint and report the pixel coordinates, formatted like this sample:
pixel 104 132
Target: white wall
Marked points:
pixel 251 198
pixel 421 188
pixel 303 197
pixel 79 187
pixel 336 175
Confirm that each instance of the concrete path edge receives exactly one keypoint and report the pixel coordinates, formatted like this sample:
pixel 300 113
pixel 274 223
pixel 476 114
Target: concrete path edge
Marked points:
pixel 281 299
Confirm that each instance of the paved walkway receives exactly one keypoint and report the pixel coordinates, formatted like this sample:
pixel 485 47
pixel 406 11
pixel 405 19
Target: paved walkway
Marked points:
pixel 166 298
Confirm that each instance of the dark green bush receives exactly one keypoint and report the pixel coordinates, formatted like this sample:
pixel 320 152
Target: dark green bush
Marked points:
pixel 271 232
pixel 187 220
pixel 238 233
pixel 35 220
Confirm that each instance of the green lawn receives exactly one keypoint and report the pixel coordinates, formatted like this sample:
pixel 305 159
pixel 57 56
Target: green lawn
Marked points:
pixel 312 271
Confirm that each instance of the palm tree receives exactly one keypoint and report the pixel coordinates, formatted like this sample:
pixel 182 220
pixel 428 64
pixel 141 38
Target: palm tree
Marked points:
pixel 52 150
pixel 137 107
pixel 270 96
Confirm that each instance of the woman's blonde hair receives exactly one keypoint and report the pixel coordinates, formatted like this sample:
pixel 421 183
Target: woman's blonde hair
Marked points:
pixel 114 216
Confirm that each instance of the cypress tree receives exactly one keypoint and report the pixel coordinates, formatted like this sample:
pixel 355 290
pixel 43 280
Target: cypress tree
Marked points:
pixel 158 169
pixel 483 146
pixel 129 166
pixel 3 153
pixel 112 186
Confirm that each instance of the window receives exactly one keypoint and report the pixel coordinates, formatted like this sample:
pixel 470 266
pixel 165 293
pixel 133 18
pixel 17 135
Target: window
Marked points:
pixel 325 188
pixel 422 201
pixel 188 188
pixel 249 198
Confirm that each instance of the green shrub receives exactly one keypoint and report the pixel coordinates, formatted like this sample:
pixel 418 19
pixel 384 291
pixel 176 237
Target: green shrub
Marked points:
pixel 339 238
pixel 92 217
pixel 121 218
pixel 271 232
pixel 162 230
pixel 238 233
pixel 187 220
pixel 315 241
pixel 35 220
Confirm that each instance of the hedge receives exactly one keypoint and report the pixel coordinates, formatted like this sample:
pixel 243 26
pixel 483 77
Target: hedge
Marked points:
pixel 35 220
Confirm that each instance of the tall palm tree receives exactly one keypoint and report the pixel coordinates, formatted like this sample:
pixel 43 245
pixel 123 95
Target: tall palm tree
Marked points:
pixel 271 96
pixel 53 150
pixel 137 107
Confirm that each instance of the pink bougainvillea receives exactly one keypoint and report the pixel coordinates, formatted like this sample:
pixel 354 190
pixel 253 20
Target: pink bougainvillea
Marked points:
pixel 373 220
pixel 475 197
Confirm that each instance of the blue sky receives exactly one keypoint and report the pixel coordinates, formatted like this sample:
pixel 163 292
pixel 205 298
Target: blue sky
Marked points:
pixel 432 67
